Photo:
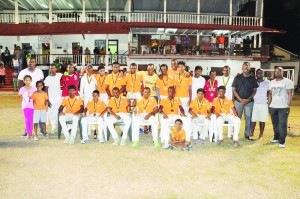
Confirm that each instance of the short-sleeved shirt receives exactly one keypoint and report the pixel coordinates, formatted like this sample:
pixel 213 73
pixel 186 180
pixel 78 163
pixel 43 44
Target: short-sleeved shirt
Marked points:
pixel 2 71
pixel 172 72
pixel 118 105
pixel 101 83
pixel 221 40
pixel 68 80
pixel 260 96
pixel 27 102
pixel 39 100
pixel 244 86
pixel 164 84
pixel 279 92
pixel 114 80
pixel 182 84
pixel 200 106
pixel 197 82
pixel 171 106
pixel 178 136
pixel 72 105
pixel 94 108
pixel 134 82
pixel 211 90
pixel 238 40
pixel 36 75
pixel 53 83
pixel 149 81
pixel 146 105
pixel 227 82
pixel 222 106
pixel 213 40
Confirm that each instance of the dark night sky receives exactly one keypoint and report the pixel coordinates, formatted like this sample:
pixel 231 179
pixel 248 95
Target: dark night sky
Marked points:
pixel 284 15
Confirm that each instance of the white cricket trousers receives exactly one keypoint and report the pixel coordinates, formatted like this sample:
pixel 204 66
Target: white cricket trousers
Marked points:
pixel 66 118
pixel 85 121
pixel 111 120
pixel 232 120
pixel 140 120
pixel 204 128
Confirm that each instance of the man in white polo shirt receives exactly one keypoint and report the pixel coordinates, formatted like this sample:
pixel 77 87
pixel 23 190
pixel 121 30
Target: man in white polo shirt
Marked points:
pixel 52 86
pixel 35 73
pixel 197 81
pixel 226 80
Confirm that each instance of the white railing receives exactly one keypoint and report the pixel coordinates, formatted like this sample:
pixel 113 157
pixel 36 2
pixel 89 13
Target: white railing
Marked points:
pixel 147 17
pixel 150 17
pixel 7 18
pixel 80 59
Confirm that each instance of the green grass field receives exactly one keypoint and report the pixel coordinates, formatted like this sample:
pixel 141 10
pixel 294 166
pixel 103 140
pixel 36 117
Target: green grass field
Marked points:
pixel 51 169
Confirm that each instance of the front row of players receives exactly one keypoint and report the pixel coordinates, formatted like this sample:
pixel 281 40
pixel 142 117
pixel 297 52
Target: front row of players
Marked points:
pixel 205 117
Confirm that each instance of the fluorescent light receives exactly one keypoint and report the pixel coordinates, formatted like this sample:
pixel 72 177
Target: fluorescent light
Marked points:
pixel 43 5
pixel 71 6
pixel 171 30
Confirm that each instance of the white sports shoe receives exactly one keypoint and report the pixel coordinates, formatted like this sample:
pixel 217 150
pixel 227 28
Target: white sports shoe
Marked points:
pixel 67 139
pixel 166 146
pixel 282 145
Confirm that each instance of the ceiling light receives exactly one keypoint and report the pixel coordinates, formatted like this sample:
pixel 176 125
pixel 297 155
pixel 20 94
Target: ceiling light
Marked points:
pixel 71 6
pixel 43 5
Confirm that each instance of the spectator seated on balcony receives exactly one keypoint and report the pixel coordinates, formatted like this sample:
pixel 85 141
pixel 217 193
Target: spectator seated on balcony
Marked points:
pixel 154 46
pixel 162 47
pixel 144 49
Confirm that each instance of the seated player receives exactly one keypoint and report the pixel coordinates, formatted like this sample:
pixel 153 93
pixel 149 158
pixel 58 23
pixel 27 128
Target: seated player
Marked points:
pixel 146 110
pixel 169 109
pixel 93 112
pixel 222 108
pixel 117 107
pixel 74 107
pixel 200 110
pixel 179 137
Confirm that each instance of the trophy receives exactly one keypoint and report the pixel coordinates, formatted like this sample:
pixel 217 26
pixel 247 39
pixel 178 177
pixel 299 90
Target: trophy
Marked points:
pixel 132 104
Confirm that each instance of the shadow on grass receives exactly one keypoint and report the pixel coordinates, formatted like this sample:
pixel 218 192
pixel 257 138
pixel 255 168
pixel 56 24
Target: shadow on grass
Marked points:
pixel 24 144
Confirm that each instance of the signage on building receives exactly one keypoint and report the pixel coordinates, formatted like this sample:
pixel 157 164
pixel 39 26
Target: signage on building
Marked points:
pixel 44 38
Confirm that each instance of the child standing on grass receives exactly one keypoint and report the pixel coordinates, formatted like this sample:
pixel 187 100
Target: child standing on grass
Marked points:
pixel 40 100
pixel 179 137
pixel 27 104
pixel 15 79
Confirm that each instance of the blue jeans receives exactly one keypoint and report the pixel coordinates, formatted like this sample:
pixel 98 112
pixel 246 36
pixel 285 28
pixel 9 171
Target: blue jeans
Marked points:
pixel 213 48
pixel 279 118
pixel 247 114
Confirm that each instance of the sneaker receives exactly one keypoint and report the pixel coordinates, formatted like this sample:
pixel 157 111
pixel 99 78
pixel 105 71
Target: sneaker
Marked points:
pixel 35 138
pixel 72 140
pixel 67 139
pixel 282 145
pixel 46 136
pixel 27 137
pixel 219 142
pixel 195 141
pixel 95 135
pixel 202 141
pixel 123 142
pixel 274 141
pixel 166 146
pixel 136 144
pixel 236 143
pixel 186 148
pixel 24 135
pixel 116 141
pixel 156 144
pixel 84 141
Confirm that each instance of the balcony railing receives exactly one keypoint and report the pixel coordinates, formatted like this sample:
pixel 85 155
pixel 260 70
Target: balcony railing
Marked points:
pixel 80 59
pixel 151 17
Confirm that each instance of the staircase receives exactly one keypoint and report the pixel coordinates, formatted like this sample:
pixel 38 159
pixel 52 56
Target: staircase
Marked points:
pixel 9 87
